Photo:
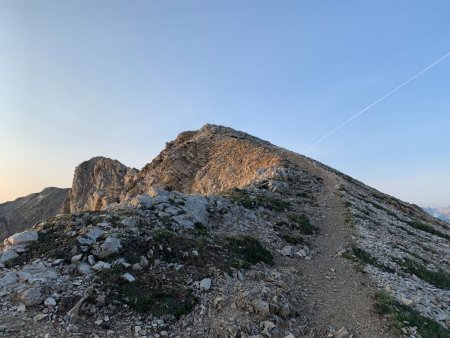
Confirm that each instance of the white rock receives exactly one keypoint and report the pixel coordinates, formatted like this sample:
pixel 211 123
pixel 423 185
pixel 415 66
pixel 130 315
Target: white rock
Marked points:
pixel 205 284
pixel 267 326
pixel 76 258
pixel 50 301
pixel 287 250
pixel 130 222
pixel 128 277
pixel 109 247
pixel 90 237
pixel 39 317
pixel 406 301
pixel 84 269
pixel 32 296
pixel 8 254
pixel 100 265
pixel 21 308
pixel 143 261
pixel 261 307
pixel 23 237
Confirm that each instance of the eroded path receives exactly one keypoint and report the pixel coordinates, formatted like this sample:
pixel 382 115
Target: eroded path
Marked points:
pixel 337 294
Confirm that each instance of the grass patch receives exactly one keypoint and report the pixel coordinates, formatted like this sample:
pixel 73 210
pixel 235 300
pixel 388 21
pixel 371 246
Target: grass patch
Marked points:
pixel 293 239
pixel 248 201
pixel 302 223
pixel 303 195
pixel 427 328
pixel 428 228
pixel 358 255
pixel 440 278
pixel 157 300
pixel 247 251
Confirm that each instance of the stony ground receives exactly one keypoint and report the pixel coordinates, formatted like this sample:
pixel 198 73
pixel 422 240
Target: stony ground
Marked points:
pixel 294 249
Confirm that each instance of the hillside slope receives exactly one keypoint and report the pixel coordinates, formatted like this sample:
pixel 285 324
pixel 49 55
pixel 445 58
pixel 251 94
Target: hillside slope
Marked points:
pixel 441 213
pixel 24 212
pixel 227 235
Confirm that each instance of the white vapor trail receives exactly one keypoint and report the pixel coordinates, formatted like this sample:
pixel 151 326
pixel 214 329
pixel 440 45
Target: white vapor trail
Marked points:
pixel 379 100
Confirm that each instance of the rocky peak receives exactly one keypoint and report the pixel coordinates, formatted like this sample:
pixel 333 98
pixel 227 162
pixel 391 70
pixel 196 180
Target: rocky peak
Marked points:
pixel 210 160
pixel 99 182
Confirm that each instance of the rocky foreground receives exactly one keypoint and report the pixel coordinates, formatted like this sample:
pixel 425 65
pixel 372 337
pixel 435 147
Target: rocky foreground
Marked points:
pixel 226 235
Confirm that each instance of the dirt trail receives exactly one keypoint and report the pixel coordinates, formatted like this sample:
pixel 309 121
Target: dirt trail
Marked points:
pixel 338 295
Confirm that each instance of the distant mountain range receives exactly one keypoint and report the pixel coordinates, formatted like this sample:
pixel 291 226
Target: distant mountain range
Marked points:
pixel 441 213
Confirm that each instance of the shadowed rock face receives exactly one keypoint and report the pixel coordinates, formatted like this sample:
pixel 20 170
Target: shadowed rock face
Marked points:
pixel 98 183
pixel 24 212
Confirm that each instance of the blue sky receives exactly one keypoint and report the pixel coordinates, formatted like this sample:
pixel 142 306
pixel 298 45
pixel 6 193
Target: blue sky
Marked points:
pixel 120 78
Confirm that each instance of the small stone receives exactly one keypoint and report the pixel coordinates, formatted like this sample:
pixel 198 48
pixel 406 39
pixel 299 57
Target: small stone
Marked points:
pixel 10 278
pixel 50 301
pixel 21 308
pixel 98 322
pixel 267 326
pixel 128 277
pixel 143 261
pixel 101 266
pixel 32 296
pixel 109 247
pixel 205 284
pixel 287 250
pixel 39 317
pixel 406 301
pixel 261 307
pixel 137 329
pixel 91 237
pixel 91 259
pixel 84 269
pixel 23 237
pixel 58 261
pixel 136 267
pixel 8 254
pixel 76 258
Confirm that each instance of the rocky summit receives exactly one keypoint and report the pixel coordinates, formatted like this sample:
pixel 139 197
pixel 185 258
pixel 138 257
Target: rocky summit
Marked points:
pixel 226 235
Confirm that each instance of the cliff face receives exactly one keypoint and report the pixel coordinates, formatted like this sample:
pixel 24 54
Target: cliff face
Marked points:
pixel 98 183
pixel 24 212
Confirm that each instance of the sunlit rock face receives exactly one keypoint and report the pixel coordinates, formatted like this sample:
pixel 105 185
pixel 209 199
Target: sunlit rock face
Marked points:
pixel 98 183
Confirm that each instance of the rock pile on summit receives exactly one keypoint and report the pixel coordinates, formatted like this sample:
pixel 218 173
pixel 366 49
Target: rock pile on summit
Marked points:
pixel 226 235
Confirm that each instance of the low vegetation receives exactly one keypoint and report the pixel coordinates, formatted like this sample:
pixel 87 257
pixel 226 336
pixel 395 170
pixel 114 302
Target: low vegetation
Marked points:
pixel 440 278
pixel 428 228
pixel 302 223
pixel 246 251
pixel 148 296
pixel 400 315
pixel 358 255
pixel 248 201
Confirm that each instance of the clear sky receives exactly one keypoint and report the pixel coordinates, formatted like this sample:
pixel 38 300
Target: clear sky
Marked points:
pixel 120 78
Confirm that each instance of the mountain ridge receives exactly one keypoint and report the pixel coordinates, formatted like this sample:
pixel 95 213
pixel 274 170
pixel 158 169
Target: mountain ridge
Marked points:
pixel 240 238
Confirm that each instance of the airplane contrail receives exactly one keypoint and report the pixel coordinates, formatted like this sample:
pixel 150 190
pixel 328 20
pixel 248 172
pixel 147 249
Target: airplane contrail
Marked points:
pixel 379 100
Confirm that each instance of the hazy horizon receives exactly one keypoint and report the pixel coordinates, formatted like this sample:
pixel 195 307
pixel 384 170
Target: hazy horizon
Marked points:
pixel 80 79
